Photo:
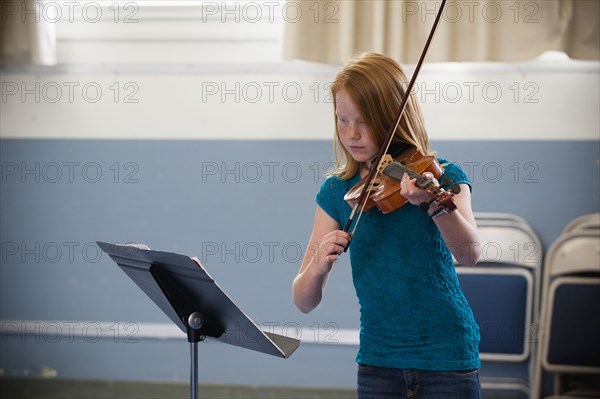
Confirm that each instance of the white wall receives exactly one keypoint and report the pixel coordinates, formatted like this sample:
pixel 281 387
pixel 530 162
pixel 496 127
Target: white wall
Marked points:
pixel 215 72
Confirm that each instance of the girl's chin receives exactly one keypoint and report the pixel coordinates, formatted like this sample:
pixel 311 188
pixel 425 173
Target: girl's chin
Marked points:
pixel 361 155
pixel 363 159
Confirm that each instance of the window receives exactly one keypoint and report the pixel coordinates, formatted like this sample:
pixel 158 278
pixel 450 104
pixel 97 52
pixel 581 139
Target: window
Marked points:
pixel 168 32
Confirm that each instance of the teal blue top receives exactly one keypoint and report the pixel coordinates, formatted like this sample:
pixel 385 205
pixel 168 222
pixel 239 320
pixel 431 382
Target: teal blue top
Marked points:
pixel 413 313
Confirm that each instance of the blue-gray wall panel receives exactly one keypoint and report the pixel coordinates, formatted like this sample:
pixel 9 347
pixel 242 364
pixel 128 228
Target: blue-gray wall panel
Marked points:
pixel 245 208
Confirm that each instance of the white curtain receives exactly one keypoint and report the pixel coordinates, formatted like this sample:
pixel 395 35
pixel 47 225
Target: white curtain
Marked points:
pixel 470 30
pixel 28 35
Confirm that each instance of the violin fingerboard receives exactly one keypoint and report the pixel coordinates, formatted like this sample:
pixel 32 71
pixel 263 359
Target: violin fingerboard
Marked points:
pixel 396 170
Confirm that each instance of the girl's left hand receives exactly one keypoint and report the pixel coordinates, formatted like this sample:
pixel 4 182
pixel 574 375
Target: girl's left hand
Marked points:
pixel 410 191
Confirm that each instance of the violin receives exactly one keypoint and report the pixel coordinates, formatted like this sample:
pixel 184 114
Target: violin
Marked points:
pixel 361 196
pixel 438 195
pixel 385 189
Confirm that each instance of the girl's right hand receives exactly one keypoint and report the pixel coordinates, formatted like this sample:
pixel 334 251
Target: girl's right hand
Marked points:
pixel 331 246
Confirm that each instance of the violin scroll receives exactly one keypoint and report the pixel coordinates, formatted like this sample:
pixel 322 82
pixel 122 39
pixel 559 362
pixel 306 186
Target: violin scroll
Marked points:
pixel 446 181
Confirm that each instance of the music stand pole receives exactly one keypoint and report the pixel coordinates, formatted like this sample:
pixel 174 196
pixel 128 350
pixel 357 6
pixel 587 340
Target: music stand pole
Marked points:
pixel 194 370
pixel 195 322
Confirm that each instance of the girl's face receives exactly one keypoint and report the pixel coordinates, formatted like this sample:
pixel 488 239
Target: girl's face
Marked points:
pixel 353 132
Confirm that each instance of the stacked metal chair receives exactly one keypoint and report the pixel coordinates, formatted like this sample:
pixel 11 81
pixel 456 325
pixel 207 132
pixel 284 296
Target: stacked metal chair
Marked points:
pixel 569 327
pixel 503 291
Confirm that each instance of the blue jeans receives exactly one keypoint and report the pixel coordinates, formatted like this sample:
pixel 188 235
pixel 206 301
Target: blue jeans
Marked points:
pixel 387 383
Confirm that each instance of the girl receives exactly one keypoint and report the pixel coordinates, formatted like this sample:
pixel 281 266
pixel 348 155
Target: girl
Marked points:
pixel 418 337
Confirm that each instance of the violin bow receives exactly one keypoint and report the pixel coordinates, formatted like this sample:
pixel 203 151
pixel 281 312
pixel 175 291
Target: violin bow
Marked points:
pixel 376 165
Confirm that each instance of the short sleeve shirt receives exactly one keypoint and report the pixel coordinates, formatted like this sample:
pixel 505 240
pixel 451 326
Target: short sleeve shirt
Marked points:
pixel 413 312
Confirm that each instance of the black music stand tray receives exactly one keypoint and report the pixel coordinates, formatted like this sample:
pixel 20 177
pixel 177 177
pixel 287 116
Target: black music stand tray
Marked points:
pixel 182 289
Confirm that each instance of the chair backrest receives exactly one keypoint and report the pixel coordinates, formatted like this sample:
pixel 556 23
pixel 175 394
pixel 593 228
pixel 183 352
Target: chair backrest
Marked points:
pixel 500 216
pixel 501 298
pixel 569 325
pixel 571 298
pixel 585 222
pixel 506 242
pixel 573 253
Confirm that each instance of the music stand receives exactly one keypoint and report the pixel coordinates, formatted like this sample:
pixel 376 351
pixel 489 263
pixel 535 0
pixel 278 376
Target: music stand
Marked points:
pixel 185 292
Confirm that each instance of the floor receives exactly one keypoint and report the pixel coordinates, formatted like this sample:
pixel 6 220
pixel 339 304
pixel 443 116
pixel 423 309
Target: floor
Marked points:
pixel 34 388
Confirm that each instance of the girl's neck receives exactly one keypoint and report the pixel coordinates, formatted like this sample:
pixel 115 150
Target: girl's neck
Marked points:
pixel 364 169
